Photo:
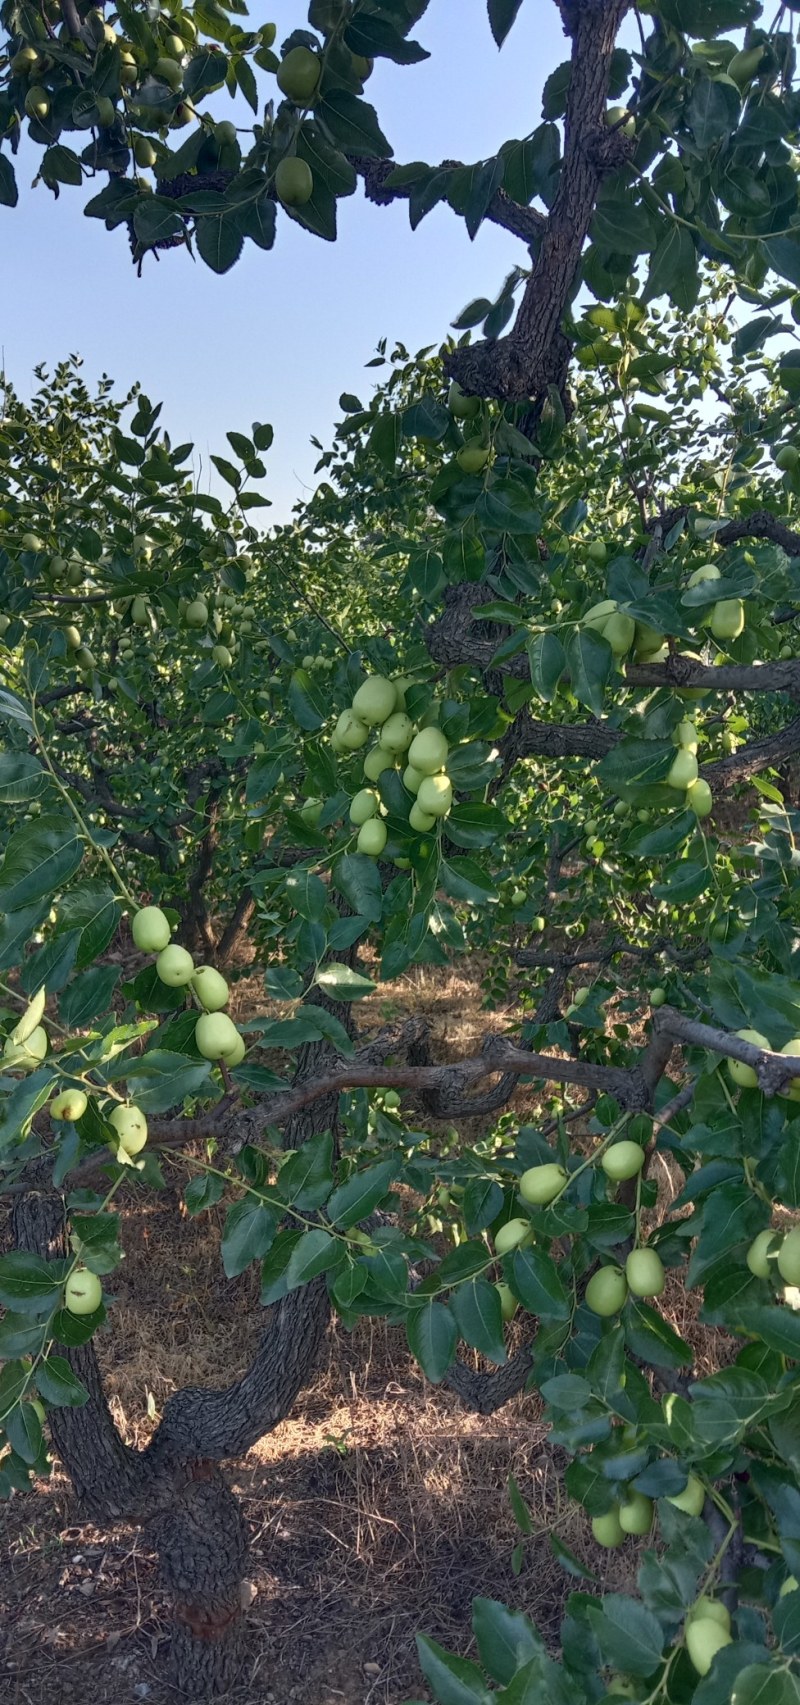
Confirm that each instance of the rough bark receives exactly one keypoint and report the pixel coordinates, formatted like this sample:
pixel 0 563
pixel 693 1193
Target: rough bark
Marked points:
pixel 536 352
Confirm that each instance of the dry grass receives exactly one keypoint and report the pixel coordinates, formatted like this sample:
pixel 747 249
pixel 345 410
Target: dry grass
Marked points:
pixel 378 1508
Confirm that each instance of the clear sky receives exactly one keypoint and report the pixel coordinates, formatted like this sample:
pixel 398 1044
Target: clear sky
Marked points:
pixel 283 334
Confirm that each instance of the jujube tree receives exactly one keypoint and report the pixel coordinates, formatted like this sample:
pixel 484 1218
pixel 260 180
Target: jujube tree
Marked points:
pixel 513 678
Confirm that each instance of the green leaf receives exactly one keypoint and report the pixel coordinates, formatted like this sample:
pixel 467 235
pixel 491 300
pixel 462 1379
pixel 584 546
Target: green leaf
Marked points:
pixel 432 1337
pixel 203 1192
pixel 360 1193
pixel 712 112
pixel 57 1384
pixel 636 763
pixel 87 995
pixel 358 879
pixel 519 1508
pixel 94 909
pixel 40 857
pixel 28 1284
pixel 219 241
pixel 375 38
pixel 454 1680
pixel 629 1636
pixel 653 840
pixel 206 70
pixel 155 220
pixel 505 1638
pixel 24 1431
pixel 483 1199
pixel 476 1306
pixel 765 1684
pixel 160 1080
pixel 247 1235
pixel 590 661
pixel 314 1252
pixel 778 1328
pixel 343 983
pixel 622 227
pixel 9 194
pixel 535 1280
pixel 548 661
pixel 305 1179
pixel 649 1336
pixel 674 270
pixel 352 124
pixel 21 778
pixel 307 702
pixel 474 825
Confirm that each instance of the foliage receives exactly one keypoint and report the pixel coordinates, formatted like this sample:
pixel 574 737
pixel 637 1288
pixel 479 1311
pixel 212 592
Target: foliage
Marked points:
pixel 601 578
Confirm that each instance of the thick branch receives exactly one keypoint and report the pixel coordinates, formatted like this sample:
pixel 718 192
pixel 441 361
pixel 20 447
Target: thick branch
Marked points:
pixel 773 1071
pixel 536 353
pixel 524 222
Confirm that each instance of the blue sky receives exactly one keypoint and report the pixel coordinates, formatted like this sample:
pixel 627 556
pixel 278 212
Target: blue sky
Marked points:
pixel 283 334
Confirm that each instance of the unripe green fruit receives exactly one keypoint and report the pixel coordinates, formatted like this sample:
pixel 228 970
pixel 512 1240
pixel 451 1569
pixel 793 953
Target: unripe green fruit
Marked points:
pixel 144 153
pixel 472 458
pixel 428 751
pixel 83 1292
pixel 372 837
pixel 699 797
pixel 518 896
pixel 412 778
pixel 140 614
pixel 222 656
pixel 130 1125
pixel 758 1258
pixel 397 732
pixel 644 1271
pixel 362 66
pixel 71 1104
pixel 512 1235
pixel 37 102
pixel 708 571
pixel 687 735
pixel 636 1514
pixel 294 182
pixel 691 1499
pixel 508 1301
pixel 608 1531
pixel 619 631
pixel 298 74
pixel 235 1053
pixel 311 812
pixel 376 762
pixel 169 71
pixel 435 795
pixel 598 614
pixel 787 458
pixel 351 732
pixel 84 658
pixel 23 62
pixel 792 1089
pixel 625 122
pixel 790 1585
pixel 606 1292
pixel 683 771
pixel 789 1257
pixel 743 67
pixel 375 700
pixel 463 407
pixel 710 1608
pixel 704 1638
pixel 727 619
pixel 32 542
pixel 216 1036
pixel 743 1075
pixel 658 997
pixel 622 1160
pixel 420 820
pixel 597 552
pixel 363 806
pixel 196 613
pixel 786 651
pixel 175 966
pixel 225 133
pixel 211 988
pixel 541 1184
pixel 151 930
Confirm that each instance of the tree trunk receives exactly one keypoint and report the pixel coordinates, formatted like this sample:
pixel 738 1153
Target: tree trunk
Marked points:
pixel 174 1486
